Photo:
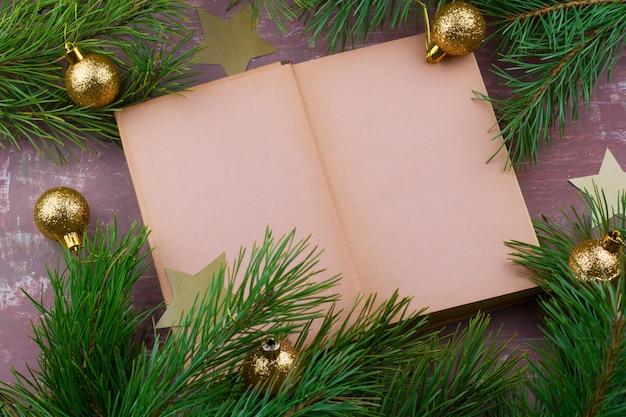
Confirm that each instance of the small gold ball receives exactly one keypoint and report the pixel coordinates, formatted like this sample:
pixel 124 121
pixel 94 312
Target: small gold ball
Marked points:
pixel 458 28
pixel 269 365
pixel 62 214
pixel 91 80
pixel 597 259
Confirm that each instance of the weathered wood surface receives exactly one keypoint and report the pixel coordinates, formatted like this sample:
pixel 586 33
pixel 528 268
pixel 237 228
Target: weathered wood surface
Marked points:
pixel 104 180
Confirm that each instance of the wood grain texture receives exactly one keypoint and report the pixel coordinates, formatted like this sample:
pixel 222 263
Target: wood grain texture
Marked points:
pixel 104 180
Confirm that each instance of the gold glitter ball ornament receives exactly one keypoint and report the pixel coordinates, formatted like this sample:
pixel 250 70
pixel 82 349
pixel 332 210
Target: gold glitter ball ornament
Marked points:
pixel 62 214
pixel 269 365
pixel 91 80
pixel 458 28
pixel 598 259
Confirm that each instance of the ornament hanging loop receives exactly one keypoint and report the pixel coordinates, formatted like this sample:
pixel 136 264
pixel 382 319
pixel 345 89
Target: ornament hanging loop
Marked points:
pixel 613 241
pixel 426 27
pixel 73 54
pixel 70 46
pixel 271 347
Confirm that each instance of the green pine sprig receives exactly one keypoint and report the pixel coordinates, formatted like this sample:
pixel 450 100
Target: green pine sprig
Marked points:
pixel 379 359
pixel 551 55
pixel 87 338
pixel 147 40
pixel 339 24
pixel 584 349
pixel 582 356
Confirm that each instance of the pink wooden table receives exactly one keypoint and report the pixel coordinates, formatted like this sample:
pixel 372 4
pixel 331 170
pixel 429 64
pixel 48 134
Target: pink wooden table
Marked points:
pixel 104 180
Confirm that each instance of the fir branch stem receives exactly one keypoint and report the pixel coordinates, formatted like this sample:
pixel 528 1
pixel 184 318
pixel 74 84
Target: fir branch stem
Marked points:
pixel 550 63
pixel 548 9
pixel 554 74
pixel 611 359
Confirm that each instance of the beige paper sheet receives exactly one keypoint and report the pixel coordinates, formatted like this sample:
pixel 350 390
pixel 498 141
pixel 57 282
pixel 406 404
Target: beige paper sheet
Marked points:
pixel 404 147
pixel 376 154
pixel 213 169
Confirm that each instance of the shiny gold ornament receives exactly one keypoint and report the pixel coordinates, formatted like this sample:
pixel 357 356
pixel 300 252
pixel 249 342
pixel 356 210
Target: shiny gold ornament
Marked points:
pixel 91 80
pixel 598 259
pixel 62 214
pixel 458 28
pixel 269 364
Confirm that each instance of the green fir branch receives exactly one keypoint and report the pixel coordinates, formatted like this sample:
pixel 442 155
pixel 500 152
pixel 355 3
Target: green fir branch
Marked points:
pixel 551 56
pixel 377 359
pixel 340 24
pixel 147 40
pixel 351 23
pixel 87 339
pixel 584 348
pixel 584 344
pixel 467 374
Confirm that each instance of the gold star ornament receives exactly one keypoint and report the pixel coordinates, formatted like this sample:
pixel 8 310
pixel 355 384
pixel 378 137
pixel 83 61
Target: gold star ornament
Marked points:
pixel 611 180
pixel 187 290
pixel 231 43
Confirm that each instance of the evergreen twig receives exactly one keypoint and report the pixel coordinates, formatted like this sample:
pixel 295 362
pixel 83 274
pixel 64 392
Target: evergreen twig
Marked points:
pixel 379 359
pixel 147 40
pixel 552 54
pixel 584 344
pixel 355 364
pixel 340 24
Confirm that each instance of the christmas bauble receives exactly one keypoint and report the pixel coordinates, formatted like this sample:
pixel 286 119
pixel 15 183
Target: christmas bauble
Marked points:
pixel 457 29
pixel 269 364
pixel 91 80
pixel 597 259
pixel 62 214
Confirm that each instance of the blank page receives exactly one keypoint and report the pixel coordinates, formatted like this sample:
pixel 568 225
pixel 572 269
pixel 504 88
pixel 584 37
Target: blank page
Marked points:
pixel 405 148
pixel 216 167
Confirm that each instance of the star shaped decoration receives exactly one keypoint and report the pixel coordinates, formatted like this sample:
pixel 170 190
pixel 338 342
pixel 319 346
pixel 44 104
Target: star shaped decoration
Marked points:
pixel 231 43
pixel 186 290
pixel 611 180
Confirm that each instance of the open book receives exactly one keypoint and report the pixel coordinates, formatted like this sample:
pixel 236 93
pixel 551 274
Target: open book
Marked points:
pixel 376 154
